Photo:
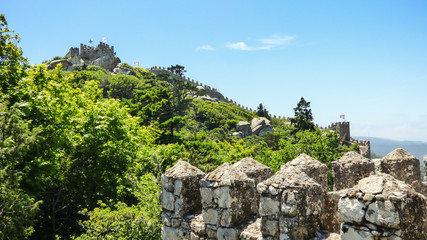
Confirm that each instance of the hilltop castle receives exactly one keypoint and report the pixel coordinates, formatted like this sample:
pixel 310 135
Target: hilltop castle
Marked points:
pixel 102 56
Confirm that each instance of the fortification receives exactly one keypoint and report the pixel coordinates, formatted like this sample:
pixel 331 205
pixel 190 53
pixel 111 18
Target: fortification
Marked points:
pixel 102 55
pixel 291 204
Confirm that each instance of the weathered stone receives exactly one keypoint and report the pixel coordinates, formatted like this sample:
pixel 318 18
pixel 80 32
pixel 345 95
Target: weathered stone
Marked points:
pixel 228 233
pixel 351 210
pixel 168 200
pixel 208 98
pixel 252 231
pixel 269 227
pixel 244 127
pixel 124 71
pixel 268 206
pixel 299 196
pixel 395 205
pixel 253 169
pixel 170 233
pixel 64 62
pixel 312 167
pixel 260 125
pixel 350 168
pixel 290 202
pixel 331 221
pixel 383 214
pixel 402 165
pixel 197 225
pixel 210 216
pixel 207 195
pixel 372 185
pixel 353 234
pixel 177 187
pixel 183 179
pixel 222 196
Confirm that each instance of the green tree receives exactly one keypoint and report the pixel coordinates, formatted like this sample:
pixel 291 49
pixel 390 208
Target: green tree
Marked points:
pixel 12 64
pixel 303 119
pixel 263 112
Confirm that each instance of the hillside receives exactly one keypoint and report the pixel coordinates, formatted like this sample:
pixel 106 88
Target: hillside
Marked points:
pixel 82 148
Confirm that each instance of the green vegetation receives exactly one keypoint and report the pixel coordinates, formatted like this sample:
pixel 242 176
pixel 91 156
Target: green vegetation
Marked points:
pixel 81 152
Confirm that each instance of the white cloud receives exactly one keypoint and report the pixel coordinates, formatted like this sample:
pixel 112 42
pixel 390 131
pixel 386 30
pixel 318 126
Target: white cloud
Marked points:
pixel 276 40
pixel 205 48
pixel 267 43
pixel 242 46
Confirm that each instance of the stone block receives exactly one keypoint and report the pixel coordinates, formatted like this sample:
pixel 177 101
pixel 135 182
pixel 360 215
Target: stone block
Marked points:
pixel 167 200
pixel 228 233
pixel 252 231
pixel 383 214
pixel 351 210
pixel 269 227
pixel 210 216
pixel 268 206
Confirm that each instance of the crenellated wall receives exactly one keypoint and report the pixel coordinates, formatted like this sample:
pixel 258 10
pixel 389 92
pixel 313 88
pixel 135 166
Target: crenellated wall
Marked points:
pixel 245 201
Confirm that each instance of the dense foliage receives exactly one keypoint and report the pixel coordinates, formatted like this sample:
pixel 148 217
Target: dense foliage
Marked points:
pixel 81 152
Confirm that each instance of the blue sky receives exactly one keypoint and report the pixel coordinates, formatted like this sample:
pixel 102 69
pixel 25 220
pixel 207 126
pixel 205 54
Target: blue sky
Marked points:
pixel 364 59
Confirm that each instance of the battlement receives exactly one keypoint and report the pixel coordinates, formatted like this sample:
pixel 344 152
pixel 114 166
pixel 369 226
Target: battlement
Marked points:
pixel 246 201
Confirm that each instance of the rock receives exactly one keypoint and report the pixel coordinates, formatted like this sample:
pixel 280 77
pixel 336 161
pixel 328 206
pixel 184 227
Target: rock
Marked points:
pixel 208 98
pixel 124 71
pixel 351 210
pixel 168 200
pixel 260 125
pixel 228 233
pixel 312 167
pixel 210 216
pixel 64 62
pixel 383 214
pixel 372 185
pixel 252 231
pixel 354 234
pixel 268 206
pixel 197 225
pixel 331 221
pixel 244 127
pixel 349 169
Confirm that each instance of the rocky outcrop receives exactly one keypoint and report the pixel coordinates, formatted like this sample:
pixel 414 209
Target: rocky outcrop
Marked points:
pixel 350 168
pixel 102 55
pixel 258 126
pixel 261 125
pixel 124 71
pixel 381 206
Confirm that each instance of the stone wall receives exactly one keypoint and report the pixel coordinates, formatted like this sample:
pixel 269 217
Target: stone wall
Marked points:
pixel 245 201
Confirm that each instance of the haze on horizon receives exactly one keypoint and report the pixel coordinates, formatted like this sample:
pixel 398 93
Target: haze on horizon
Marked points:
pixel 364 59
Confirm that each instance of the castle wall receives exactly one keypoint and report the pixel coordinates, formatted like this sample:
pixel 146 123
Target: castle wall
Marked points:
pixel 292 205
